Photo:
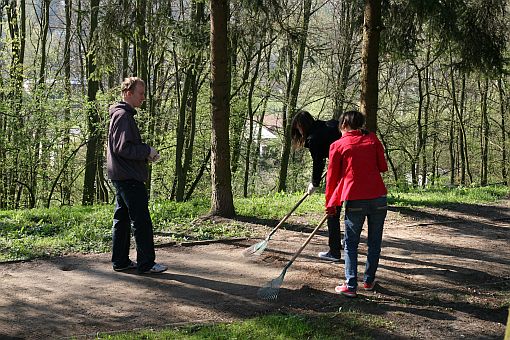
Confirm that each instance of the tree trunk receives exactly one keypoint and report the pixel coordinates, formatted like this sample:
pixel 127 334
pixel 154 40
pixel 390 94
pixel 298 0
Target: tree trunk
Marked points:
pixel 502 105
pixel 370 63
pixel 125 46
pixel 222 202
pixel 426 108
pixel 180 135
pixel 347 27
pixel 66 176
pixel 484 135
pixel 238 120
pixel 250 121
pixel 294 93
pixel 186 125
pixel 45 23
pixel 451 145
pixel 93 115
pixel 16 18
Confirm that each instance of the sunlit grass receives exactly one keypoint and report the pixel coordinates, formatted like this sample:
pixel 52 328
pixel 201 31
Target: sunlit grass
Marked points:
pixel 26 234
pixel 444 196
pixel 347 325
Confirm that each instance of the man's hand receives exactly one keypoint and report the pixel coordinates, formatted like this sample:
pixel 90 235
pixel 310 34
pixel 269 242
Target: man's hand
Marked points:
pixel 331 211
pixel 311 189
pixel 153 155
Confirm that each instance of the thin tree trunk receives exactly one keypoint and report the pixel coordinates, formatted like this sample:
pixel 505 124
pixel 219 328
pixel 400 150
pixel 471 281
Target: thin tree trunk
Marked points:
pixel 484 136
pixel 187 122
pixel 238 120
pixel 16 18
pixel 203 167
pixel 502 106
pixel 66 176
pixel 93 115
pixel 180 136
pixel 348 28
pixel 294 93
pixel 451 146
pixel 250 121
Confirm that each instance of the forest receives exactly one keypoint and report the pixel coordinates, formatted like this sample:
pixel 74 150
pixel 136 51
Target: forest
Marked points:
pixel 430 75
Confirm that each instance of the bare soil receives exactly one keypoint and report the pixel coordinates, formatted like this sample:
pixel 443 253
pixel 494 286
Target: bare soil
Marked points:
pixel 444 274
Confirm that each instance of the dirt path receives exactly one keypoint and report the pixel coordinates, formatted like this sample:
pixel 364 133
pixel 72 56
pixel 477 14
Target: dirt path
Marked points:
pixel 444 274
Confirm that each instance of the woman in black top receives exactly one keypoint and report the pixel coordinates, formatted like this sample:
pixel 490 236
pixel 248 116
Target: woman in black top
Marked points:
pixel 317 136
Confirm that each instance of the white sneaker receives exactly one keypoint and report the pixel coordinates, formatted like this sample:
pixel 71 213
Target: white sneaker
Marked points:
pixel 156 268
pixel 325 255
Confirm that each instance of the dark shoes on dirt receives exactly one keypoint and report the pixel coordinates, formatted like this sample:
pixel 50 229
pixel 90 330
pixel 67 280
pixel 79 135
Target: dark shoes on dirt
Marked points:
pixel 131 265
pixel 155 269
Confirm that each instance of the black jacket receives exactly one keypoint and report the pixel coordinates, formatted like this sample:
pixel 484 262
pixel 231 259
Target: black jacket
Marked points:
pixel 126 154
pixel 320 137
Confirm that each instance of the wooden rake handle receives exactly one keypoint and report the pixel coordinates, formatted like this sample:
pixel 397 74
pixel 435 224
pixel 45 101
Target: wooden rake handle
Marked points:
pixel 307 240
pixel 290 212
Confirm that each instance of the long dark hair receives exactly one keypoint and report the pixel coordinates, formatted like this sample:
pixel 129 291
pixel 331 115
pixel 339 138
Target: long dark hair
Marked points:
pixel 304 120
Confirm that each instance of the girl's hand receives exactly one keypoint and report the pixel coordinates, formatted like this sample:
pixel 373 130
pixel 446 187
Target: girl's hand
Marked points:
pixel 331 211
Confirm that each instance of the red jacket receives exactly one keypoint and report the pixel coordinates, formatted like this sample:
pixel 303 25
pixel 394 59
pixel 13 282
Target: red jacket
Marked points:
pixel 356 161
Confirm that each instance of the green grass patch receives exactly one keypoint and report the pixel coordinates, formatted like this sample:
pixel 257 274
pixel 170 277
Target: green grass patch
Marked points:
pixel 442 197
pixel 345 325
pixel 27 234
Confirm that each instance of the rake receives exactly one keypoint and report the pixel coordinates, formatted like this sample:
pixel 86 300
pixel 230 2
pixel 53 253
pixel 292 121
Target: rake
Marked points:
pixel 270 290
pixel 259 247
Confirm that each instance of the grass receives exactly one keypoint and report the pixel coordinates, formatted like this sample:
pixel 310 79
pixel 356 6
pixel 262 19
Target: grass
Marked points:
pixel 28 234
pixel 440 196
pixel 345 325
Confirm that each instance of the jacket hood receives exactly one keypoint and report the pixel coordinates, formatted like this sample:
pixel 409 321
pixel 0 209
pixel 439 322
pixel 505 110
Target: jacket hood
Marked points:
pixel 121 106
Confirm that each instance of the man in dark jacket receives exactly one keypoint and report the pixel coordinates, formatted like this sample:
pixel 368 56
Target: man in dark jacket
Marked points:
pixel 127 158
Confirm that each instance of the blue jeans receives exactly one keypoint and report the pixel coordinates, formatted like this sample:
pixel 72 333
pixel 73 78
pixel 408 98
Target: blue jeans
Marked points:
pixel 132 210
pixel 355 213
pixel 334 239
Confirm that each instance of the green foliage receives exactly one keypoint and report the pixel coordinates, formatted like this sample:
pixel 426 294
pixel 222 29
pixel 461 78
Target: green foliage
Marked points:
pixel 346 325
pixel 475 30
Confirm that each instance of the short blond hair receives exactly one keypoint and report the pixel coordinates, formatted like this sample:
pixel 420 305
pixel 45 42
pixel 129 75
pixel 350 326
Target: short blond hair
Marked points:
pixel 130 83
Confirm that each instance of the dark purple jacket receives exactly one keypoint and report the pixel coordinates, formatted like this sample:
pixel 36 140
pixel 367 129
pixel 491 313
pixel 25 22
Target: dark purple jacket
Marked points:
pixel 126 156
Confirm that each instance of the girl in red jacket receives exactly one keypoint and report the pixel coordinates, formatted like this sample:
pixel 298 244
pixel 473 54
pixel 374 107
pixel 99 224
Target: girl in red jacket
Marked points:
pixel 356 161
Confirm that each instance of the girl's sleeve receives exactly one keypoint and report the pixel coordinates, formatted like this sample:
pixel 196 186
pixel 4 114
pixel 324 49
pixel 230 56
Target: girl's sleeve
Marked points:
pixel 333 174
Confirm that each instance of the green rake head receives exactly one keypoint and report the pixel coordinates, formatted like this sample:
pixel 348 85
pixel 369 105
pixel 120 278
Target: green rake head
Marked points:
pixel 272 288
pixel 255 249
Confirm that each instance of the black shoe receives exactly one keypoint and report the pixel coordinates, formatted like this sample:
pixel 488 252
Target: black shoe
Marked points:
pixel 131 265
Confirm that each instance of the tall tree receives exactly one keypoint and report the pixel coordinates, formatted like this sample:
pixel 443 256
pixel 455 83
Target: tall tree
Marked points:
pixel 93 147
pixel 503 107
pixel 484 131
pixel 370 63
pixel 66 181
pixel 16 18
pixel 294 93
pixel 222 202
pixel 187 106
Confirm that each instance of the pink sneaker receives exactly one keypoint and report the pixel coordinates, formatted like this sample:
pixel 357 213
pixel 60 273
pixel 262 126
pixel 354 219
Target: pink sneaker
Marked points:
pixel 346 291
pixel 369 286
